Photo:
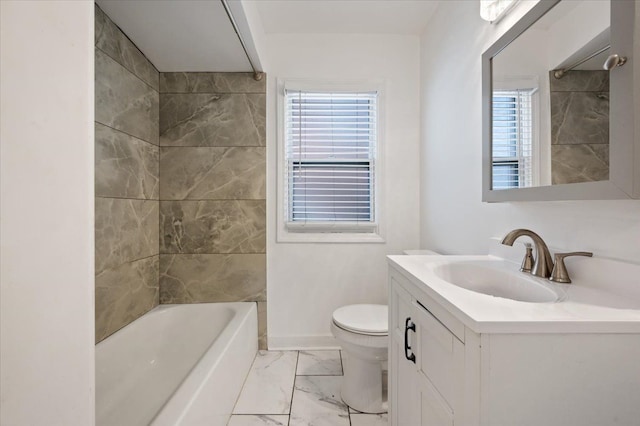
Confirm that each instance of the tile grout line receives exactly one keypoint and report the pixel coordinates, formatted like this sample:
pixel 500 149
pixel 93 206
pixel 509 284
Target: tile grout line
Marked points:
pixel 293 390
pixel 128 134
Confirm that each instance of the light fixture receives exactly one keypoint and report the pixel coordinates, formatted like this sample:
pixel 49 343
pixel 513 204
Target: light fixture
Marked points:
pixel 493 10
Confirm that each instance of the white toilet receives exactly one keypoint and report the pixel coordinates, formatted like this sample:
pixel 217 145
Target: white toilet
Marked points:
pixel 363 334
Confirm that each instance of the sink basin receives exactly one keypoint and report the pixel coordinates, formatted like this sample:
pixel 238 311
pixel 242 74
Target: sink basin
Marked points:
pixel 491 278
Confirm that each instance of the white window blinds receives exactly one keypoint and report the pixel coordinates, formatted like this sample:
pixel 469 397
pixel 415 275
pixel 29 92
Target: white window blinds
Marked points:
pixel 330 142
pixel 512 138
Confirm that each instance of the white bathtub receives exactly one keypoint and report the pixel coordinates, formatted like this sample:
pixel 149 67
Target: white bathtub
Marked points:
pixel 176 365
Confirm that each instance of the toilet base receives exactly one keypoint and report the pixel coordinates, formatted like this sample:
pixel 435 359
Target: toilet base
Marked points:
pixel 362 387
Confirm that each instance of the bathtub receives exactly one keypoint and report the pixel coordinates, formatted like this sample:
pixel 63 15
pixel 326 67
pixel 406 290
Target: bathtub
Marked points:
pixel 176 365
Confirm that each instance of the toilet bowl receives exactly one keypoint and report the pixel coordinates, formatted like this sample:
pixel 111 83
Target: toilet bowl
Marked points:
pixel 362 332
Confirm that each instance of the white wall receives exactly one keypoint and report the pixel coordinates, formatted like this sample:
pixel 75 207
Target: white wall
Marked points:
pixel 46 290
pixel 306 282
pixel 453 218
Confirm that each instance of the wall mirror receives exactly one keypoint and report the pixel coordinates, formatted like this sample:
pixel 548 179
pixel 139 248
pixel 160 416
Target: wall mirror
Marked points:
pixel 557 125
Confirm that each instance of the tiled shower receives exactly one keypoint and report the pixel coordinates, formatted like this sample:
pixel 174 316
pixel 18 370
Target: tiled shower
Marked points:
pixel 180 185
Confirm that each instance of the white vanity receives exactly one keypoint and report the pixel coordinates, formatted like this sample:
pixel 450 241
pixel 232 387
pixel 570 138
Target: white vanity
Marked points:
pixel 476 342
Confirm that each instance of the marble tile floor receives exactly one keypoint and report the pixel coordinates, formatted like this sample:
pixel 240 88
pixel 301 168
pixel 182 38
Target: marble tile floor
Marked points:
pixel 297 388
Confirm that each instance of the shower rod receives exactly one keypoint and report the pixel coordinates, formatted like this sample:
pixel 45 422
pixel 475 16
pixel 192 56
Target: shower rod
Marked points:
pixel 257 75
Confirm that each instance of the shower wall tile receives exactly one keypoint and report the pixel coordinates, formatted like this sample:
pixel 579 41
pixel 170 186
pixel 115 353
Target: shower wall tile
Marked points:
pixel 579 163
pixel 579 117
pixel 126 167
pixel 194 278
pixel 580 81
pixel 124 293
pixel 262 325
pixel 212 173
pixel 126 230
pixel 123 101
pixel 226 226
pixel 210 82
pixel 117 45
pixel 212 119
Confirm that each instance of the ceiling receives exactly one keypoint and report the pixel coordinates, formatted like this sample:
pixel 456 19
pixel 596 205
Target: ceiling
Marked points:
pixel 196 35
pixel 180 35
pixel 345 16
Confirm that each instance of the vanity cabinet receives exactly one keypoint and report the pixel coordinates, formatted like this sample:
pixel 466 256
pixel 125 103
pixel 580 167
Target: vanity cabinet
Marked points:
pixel 441 372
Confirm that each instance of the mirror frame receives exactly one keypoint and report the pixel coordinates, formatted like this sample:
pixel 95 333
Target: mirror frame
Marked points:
pixel 624 150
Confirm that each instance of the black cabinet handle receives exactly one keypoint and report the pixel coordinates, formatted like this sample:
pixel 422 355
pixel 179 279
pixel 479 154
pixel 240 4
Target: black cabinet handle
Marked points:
pixel 408 325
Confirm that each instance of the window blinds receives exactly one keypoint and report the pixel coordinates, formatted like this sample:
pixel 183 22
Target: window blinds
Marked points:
pixel 330 141
pixel 512 138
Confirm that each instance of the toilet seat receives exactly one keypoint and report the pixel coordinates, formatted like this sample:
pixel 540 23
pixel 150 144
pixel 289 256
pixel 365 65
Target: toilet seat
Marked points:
pixel 370 320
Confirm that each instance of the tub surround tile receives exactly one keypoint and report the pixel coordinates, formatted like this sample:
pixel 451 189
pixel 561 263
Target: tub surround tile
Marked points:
pixel 123 101
pixel 125 230
pixel 579 163
pixel 212 173
pixel 210 82
pixel 319 363
pixel 318 397
pixel 224 226
pixel 580 81
pixel 369 420
pixel 194 278
pixel 262 325
pixel 112 41
pixel 126 167
pixel 269 384
pixel 124 293
pixel 212 119
pixel 579 117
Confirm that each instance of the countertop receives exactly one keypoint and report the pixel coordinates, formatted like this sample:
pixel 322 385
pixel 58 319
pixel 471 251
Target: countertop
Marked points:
pixel 603 298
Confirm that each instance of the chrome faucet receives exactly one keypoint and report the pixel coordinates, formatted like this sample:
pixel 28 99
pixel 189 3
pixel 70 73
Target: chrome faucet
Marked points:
pixel 543 264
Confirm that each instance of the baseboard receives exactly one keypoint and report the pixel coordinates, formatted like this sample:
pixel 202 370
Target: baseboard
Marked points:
pixel 302 342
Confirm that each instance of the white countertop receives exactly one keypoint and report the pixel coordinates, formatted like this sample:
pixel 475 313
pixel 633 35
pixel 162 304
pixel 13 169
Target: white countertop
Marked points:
pixel 603 298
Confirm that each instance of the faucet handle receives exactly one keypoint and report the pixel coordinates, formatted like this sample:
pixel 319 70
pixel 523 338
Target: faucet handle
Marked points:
pixel 559 273
pixel 528 261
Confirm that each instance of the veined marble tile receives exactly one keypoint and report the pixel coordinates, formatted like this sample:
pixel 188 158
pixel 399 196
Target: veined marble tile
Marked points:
pixel 216 226
pixel 579 118
pixel 258 420
pixel 125 293
pixel 112 41
pixel 269 384
pixel 125 230
pixel 319 419
pixel 126 167
pixel 369 420
pixel 211 82
pixel 212 173
pixel 212 119
pixel 319 363
pixel 317 396
pixel 194 278
pixel 123 101
pixel 580 81
pixel 262 325
pixel 579 163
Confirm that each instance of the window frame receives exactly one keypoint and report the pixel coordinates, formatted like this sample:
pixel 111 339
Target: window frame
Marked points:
pixel 329 232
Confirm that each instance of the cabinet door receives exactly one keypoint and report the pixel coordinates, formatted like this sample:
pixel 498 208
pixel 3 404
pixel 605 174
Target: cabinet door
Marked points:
pixel 433 408
pixel 404 392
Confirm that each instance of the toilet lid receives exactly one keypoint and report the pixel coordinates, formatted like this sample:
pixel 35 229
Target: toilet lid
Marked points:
pixel 369 319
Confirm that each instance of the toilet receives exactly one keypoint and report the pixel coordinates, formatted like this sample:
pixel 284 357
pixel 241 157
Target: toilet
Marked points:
pixel 363 334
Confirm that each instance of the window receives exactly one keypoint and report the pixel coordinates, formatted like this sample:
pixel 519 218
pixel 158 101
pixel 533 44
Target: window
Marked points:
pixel 512 138
pixel 329 165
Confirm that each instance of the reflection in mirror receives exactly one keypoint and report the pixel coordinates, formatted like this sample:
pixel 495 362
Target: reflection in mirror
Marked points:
pixel 550 100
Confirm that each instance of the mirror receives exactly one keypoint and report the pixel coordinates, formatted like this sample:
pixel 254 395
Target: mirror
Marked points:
pixel 549 108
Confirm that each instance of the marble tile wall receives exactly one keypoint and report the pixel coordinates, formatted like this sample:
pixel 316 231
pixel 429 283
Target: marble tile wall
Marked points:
pixel 212 193
pixel 127 159
pixel 579 127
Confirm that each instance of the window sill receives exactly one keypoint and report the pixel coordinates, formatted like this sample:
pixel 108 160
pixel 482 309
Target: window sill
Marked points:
pixel 329 233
